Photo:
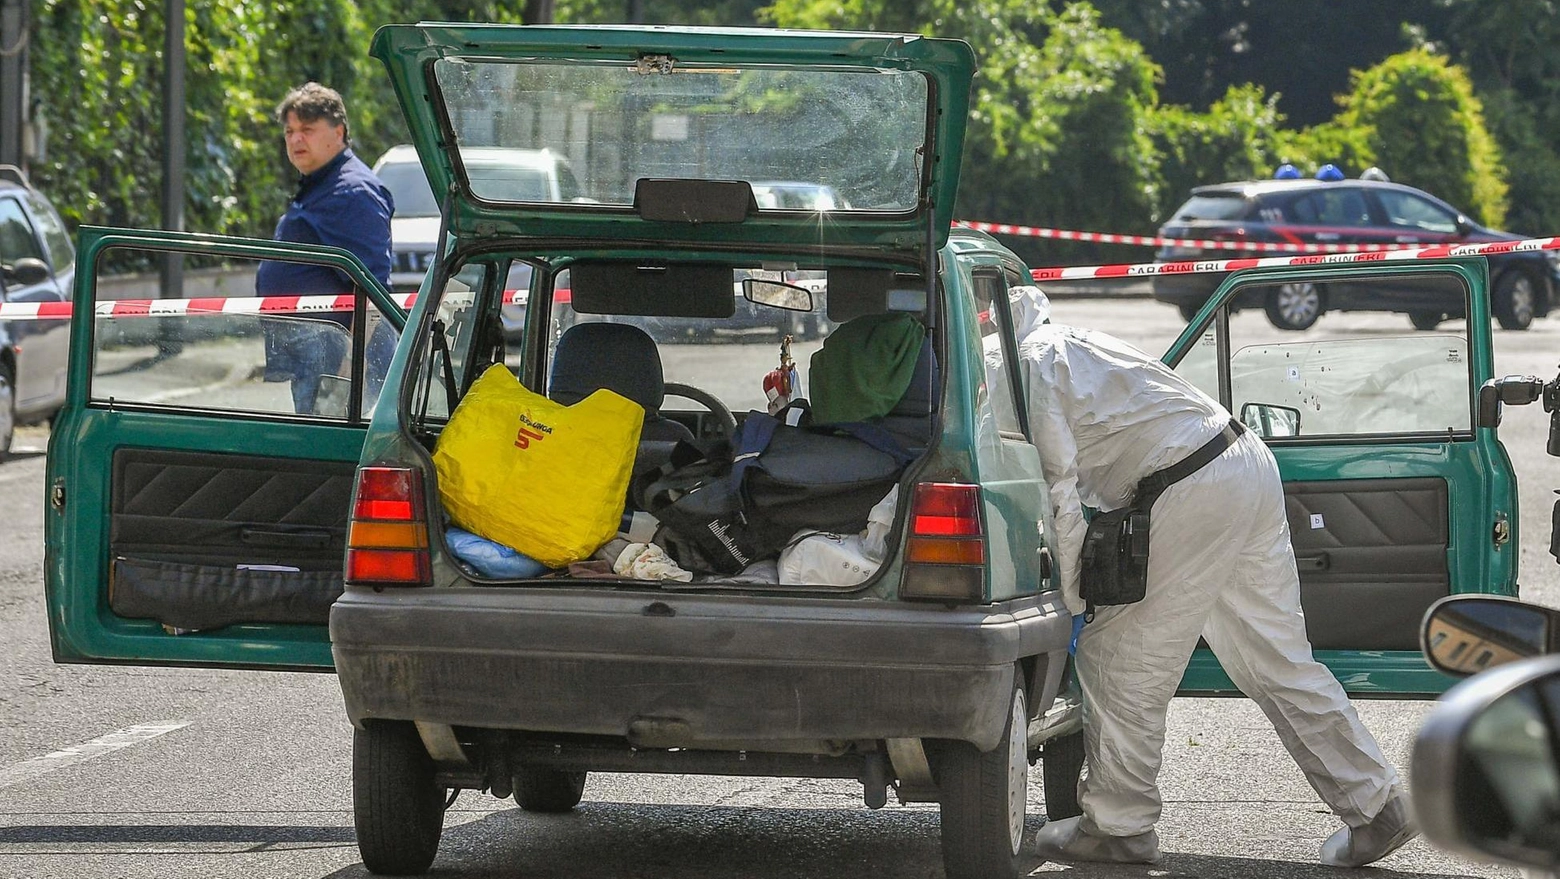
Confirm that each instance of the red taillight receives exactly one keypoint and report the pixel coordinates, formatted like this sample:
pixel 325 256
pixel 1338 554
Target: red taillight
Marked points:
pixel 387 540
pixel 945 554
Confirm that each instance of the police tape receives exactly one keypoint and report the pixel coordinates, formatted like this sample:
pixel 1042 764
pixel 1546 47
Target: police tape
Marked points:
pixel 1156 241
pixel 1439 251
pixel 214 306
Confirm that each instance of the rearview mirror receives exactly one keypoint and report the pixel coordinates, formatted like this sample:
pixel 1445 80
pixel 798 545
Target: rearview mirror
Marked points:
pixel 1485 757
pixel 1270 421
pixel 787 296
pixel 1466 634
pixel 27 271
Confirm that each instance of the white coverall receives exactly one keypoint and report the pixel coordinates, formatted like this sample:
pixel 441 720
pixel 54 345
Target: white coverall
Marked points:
pixel 1104 415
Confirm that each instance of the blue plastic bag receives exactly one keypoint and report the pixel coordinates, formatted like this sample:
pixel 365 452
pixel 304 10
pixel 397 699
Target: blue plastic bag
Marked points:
pixel 492 559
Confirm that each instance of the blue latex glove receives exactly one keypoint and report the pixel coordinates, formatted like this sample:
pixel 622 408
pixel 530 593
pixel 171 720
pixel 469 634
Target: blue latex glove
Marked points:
pixel 1072 646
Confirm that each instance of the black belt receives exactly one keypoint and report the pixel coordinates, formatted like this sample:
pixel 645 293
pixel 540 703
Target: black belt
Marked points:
pixel 1153 485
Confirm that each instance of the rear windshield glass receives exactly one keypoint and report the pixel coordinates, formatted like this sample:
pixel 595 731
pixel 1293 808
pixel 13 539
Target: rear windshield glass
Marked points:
pixel 845 139
pixel 1212 207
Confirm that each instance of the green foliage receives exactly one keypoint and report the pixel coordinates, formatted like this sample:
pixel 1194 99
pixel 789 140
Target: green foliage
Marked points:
pixel 1238 138
pixel 1425 127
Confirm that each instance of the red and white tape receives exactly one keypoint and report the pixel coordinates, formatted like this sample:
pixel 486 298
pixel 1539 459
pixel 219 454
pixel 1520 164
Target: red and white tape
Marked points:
pixel 210 306
pixel 1155 241
pixel 1439 251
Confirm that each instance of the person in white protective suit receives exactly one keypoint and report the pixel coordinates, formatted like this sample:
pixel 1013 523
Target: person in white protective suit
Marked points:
pixel 1104 415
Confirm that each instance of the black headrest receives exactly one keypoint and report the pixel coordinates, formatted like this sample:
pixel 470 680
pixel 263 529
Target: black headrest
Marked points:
pixel 619 357
pixel 923 384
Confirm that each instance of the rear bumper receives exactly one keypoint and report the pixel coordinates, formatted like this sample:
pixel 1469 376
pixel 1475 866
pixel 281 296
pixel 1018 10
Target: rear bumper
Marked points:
pixel 670 670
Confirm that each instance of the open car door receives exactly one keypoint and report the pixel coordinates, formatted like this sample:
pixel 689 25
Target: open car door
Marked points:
pixel 1396 495
pixel 200 474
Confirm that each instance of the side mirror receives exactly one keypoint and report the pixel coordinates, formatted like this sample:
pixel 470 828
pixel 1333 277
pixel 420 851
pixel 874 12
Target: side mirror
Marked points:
pixel 1269 421
pixel 1488 784
pixel 333 396
pixel 1515 390
pixel 27 271
pixel 787 296
pixel 1465 634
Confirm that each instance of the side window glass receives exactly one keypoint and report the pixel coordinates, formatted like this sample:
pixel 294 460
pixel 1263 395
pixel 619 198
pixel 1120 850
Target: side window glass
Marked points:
pixel 1331 207
pixel 62 256
pixel 1200 364
pixel 219 347
pixel 456 352
pixel 990 291
pixel 17 240
pixel 1412 212
pixel 1352 372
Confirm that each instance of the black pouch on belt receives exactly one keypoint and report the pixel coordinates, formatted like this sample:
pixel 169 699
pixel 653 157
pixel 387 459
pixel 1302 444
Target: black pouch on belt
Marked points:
pixel 1114 563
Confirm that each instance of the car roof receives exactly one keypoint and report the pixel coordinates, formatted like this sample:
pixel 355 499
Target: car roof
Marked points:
pixel 1253 188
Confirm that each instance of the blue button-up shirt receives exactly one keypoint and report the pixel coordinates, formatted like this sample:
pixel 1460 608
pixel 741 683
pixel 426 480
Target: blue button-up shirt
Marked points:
pixel 342 204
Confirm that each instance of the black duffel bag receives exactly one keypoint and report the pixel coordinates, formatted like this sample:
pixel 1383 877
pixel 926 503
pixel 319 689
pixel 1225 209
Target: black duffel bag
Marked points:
pixel 779 479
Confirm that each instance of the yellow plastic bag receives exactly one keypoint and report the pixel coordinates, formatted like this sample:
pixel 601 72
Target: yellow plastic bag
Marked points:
pixel 541 477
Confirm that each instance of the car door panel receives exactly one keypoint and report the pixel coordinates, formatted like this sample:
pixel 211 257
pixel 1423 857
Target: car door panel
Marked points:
pixel 196 517
pixel 1378 542
pixel 1394 496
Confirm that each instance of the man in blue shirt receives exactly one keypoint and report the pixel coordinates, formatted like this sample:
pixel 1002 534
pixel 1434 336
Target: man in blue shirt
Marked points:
pixel 339 202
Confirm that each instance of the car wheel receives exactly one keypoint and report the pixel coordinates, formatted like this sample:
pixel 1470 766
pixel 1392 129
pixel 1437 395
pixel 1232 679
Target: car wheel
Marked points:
pixel 397 806
pixel 1425 320
pixel 548 790
pixel 983 798
pixel 7 409
pixel 1189 310
pixel 1061 764
pixel 1295 306
pixel 1514 300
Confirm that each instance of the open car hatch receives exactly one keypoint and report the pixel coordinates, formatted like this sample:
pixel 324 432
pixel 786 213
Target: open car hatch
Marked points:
pixel 835 141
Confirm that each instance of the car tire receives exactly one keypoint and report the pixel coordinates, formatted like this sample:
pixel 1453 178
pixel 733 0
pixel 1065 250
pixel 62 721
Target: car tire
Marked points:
pixel 397 805
pixel 548 790
pixel 7 409
pixel 1425 320
pixel 1061 764
pixel 982 797
pixel 1295 306
pixel 1189 310
pixel 1514 300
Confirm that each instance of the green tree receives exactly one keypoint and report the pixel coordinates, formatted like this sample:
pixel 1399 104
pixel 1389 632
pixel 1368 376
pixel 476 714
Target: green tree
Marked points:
pixel 1238 138
pixel 1424 126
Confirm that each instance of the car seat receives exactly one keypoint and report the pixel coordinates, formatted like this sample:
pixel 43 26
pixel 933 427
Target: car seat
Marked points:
pixel 620 358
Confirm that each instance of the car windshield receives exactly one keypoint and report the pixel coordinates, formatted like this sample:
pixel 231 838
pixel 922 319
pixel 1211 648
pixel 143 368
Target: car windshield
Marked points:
pixel 856 134
pixel 1218 206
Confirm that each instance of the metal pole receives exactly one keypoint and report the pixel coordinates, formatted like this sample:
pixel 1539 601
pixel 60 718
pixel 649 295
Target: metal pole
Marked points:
pixel 13 77
pixel 172 274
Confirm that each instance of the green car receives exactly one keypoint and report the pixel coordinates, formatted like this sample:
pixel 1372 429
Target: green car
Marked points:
pixel 197 519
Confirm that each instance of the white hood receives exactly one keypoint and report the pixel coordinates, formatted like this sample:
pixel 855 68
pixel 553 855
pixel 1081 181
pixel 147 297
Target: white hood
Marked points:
pixel 1030 308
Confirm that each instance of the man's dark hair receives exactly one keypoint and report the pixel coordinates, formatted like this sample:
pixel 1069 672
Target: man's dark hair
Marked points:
pixel 312 101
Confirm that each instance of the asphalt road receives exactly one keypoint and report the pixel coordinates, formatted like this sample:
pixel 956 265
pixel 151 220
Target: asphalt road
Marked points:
pixel 125 772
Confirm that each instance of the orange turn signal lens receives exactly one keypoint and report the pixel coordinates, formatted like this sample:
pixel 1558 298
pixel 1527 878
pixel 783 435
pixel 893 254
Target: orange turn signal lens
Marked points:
pixel 945 551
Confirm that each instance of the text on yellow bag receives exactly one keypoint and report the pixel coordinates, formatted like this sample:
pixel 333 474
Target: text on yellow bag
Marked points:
pixel 536 475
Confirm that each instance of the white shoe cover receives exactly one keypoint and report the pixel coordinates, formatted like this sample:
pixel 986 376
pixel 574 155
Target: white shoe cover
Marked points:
pixel 1358 846
pixel 1066 840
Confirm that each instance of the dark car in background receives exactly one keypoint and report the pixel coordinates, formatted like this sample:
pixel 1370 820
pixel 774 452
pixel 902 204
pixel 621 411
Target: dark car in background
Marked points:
pixel 37 264
pixel 1309 211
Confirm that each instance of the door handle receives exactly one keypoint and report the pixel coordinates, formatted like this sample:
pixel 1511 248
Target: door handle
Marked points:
pixel 1319 562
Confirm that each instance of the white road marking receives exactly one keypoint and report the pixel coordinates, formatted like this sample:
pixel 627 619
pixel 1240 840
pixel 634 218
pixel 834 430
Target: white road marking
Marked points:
pixel 27 770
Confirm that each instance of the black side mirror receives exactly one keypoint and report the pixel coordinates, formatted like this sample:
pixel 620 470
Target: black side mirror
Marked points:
pixel 27 271
pixel 1465 634
pixel 1269 420
pixel 1487 783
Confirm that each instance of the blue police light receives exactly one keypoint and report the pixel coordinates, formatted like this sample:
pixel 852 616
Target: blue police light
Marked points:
pixel 1286 171
pixel 1329 171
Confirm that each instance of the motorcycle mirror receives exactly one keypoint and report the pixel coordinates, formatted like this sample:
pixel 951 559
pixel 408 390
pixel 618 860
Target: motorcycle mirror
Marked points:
pixel 1465 634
